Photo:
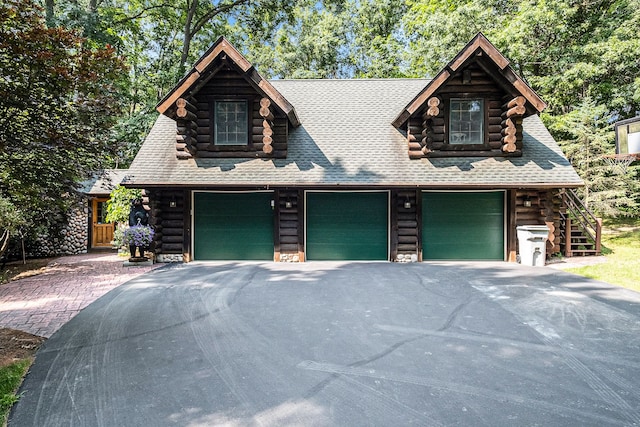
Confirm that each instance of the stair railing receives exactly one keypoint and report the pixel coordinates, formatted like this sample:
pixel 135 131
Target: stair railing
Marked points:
pixel 579 214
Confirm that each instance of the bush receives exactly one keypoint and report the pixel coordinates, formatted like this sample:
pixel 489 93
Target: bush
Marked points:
pixel 119 204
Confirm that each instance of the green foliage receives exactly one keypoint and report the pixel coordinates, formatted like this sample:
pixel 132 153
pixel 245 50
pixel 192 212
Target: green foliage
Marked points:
pixel 10 216
pixel 10 379
pixel 572 53
pixel 58 99
pixel 118 236
pixel 586 136
pixel 119 204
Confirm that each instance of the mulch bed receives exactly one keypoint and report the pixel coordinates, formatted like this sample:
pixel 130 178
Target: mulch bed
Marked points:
pixel 16 345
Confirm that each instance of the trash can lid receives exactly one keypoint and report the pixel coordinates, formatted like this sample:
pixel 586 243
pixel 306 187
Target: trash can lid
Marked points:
pixel 533 228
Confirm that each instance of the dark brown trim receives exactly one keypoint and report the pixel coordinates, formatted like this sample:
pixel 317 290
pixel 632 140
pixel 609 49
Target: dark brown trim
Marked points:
pixel 419 220
pixel 276 225
pixel 205 63
pixel 301 224
pixel 511 226
pixel 188 221
pixel 393 229
pixel 310 186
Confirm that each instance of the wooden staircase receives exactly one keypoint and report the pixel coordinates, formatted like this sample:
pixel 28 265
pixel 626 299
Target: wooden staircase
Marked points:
pixel 580 230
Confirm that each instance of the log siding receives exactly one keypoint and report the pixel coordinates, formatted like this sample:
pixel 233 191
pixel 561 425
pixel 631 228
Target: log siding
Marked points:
pixel 427 129
pixel 168 215
pixel 545 209
pixel 289 230
pixel 267 127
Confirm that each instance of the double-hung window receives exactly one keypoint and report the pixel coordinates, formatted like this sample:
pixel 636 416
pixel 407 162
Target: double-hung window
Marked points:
pixel 466 117
pixel 231 122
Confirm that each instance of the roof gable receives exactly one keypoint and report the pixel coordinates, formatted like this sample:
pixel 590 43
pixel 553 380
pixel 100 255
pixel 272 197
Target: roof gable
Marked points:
pixel 492 60
pixel 221 54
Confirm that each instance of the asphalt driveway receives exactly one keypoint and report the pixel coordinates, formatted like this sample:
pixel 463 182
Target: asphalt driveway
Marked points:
pixel 343 344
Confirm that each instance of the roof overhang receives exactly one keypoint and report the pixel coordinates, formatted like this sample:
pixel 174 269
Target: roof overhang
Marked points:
pixel 479 45
pixel 206 67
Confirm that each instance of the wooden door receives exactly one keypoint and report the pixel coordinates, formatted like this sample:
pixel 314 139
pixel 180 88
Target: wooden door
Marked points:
pixel 101 231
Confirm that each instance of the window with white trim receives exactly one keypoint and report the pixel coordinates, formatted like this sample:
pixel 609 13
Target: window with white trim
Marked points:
pixel 231 122
pixel 466 118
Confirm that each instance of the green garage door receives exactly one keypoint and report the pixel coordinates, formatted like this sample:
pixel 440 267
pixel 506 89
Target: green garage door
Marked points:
pixel 463 226
pixel 233 226
pixel 347 226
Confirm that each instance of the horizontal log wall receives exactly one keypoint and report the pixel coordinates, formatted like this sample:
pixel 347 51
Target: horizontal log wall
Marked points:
pixel 427 133
pixel 167 221
pixel 544 210
pixel 228 84
pixel 405 226
pixel 289 226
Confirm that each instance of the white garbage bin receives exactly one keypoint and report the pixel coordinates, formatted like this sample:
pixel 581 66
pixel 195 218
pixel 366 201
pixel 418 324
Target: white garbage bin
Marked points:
pixel 532 244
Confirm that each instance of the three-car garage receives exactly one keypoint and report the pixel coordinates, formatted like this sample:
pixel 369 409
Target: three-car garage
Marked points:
pixel 349 225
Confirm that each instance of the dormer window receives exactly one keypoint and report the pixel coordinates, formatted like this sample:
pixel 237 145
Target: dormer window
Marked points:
pixel 231 125
pixel 466 117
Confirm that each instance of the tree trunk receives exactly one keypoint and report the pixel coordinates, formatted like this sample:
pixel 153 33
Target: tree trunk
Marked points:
pixel 188 35
pixel 48 7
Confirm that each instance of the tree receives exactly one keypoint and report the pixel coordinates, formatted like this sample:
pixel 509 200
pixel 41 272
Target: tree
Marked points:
pixel 119 204
pixel 581 57
pixel 10 222
pixel 585 135
pixel 376 43
pixel 59 97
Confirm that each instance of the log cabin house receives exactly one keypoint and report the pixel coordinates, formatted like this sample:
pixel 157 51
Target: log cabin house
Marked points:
pixel 237 167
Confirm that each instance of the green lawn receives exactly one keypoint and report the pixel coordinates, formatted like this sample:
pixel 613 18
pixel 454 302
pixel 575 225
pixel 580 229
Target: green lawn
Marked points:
pixel 10 379
pixel 621 246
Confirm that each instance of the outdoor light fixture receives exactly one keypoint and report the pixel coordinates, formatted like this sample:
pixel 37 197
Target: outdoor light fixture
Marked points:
pixel 273 204
pixel 288 204
pixel 172 202
pixel 527 202
pixel 407 204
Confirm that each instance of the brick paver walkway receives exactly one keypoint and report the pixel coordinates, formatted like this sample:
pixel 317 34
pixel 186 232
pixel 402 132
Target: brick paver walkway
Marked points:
pixel 42 304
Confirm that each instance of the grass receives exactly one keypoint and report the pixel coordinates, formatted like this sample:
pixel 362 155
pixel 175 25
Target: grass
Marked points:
pixel 10 379
pixel 621 246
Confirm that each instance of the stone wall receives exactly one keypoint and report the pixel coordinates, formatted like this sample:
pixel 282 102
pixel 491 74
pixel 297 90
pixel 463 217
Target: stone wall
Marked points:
pixel 73 239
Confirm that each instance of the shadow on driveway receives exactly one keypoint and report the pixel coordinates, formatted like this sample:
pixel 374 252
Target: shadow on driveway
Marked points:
pixel 339 344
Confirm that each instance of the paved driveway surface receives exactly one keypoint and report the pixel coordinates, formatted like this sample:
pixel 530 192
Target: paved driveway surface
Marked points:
pixel 41 304
pixel 343 344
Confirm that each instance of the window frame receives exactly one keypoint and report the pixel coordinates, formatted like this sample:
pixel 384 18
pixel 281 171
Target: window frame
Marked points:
pixel 246 146
pixel 485 120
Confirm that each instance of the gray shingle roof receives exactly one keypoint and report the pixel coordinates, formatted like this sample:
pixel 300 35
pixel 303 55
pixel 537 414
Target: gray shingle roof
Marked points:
pixel 346 138
pixel 103 183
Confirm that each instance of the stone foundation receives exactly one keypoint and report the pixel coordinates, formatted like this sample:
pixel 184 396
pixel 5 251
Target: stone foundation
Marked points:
pixel 289 258
pixel 407 258
pixel 168 258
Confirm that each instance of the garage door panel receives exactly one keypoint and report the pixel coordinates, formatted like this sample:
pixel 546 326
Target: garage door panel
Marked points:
pixel 347 226
pixel 234 226
pixel 463 226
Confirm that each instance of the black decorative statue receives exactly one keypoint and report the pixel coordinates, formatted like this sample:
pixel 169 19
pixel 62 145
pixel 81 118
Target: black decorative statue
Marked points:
pixel 137 216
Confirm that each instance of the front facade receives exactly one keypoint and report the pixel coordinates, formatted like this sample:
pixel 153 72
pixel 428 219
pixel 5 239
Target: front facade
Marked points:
pixel 240 168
